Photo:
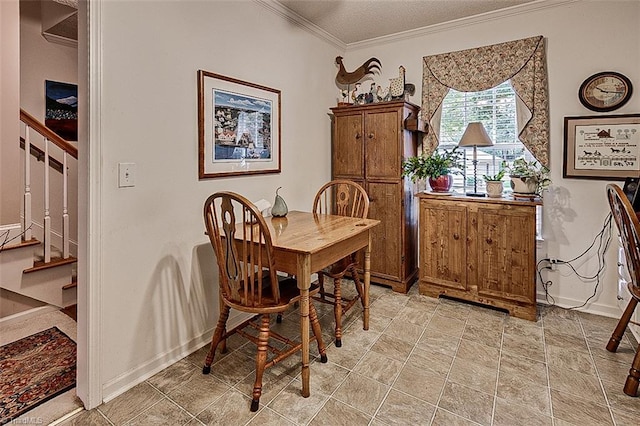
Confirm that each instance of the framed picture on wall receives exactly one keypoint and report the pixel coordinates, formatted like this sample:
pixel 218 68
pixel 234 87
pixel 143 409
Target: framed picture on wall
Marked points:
pixel 602 147
pixel 61 114
pixel 238 127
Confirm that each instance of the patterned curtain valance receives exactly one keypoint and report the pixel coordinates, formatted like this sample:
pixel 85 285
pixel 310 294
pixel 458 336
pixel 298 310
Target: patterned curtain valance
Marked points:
pixel 523 61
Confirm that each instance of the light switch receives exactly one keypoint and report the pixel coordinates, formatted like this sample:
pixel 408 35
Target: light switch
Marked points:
pixel 126 175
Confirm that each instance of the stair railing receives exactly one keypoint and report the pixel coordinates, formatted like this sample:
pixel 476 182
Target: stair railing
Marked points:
pixel 31 124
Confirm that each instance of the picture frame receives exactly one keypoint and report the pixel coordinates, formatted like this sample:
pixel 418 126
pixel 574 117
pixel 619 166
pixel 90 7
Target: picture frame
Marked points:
pixel 605 147
pixel 238 127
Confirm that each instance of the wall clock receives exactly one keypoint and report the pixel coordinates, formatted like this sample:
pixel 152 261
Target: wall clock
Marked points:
pixel 605 91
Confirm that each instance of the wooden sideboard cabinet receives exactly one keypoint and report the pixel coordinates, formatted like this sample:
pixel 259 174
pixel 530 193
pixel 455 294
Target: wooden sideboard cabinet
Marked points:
pixel 368 145
pixel 479 249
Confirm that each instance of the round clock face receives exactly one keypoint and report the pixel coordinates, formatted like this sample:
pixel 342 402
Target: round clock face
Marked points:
pixel 605 91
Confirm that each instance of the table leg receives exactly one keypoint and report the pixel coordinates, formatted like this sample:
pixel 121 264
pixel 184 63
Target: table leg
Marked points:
pixel 367 282
pixel 304 283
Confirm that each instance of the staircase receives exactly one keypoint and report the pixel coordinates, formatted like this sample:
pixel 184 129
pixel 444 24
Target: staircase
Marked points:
pixel 36 256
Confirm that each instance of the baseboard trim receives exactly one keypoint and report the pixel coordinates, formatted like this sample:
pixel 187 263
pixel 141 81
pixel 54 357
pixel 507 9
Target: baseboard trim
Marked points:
pixel 591 308
pixel 116 387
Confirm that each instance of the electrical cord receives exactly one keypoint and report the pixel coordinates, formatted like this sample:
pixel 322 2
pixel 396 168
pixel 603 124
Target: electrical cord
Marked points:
pixel 603 239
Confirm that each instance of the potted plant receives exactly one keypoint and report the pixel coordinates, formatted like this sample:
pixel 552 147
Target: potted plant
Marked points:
pixel 494 183
pixel 436 168
pixel 528 177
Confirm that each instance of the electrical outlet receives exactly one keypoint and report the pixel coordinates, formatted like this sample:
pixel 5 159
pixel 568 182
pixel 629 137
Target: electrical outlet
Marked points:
pixel 554 263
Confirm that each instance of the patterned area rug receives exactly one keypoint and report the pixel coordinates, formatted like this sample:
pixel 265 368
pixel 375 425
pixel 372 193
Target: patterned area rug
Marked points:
pixel 34 370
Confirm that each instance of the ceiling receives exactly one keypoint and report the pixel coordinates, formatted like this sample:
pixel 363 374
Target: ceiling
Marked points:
pixel 352 21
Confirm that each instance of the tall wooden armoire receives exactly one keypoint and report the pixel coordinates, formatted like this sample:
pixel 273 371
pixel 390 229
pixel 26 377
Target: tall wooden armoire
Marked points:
pixel 369 144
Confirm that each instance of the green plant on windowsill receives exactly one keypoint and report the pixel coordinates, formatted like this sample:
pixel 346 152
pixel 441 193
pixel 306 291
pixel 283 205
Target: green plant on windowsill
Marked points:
pixel 436 165
pixel 495 178
pixel 533 175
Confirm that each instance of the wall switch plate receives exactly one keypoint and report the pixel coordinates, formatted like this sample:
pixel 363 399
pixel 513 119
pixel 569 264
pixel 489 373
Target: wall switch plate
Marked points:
pixel 126 175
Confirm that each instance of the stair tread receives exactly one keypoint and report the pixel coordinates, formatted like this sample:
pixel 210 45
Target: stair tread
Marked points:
pixel 55 261
pixel 31 242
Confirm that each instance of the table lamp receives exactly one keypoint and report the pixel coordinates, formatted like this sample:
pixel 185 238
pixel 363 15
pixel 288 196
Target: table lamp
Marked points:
pixel 475 135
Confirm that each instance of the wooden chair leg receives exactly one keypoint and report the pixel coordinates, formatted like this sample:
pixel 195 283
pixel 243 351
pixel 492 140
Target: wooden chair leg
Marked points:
pixel 337 310
pixel 633 379
pixel 321 285
pixel 261 360
pixel 616 337
pixel 317 332
pixel 215 340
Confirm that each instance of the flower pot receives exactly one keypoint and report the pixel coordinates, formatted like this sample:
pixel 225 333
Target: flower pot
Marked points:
pixel 494 188
pixel 441 183
pixel 524 185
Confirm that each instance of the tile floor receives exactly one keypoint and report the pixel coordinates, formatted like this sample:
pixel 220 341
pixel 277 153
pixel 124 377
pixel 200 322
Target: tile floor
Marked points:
pixel 423 361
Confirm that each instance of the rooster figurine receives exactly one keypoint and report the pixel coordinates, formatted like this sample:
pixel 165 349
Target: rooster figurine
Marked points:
pixel 396 85
pixel 348 78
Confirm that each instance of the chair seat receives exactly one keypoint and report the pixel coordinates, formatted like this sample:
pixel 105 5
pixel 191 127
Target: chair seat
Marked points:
pixel 289 294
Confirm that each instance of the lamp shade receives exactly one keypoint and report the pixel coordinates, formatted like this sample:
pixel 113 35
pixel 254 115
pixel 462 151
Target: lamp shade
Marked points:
pixel 475 135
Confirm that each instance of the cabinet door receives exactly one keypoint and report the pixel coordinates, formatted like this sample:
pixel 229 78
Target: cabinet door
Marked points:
pixel 443 244
pixel 383 144
pixel 506 237
pixel 348 160
pixel 386 243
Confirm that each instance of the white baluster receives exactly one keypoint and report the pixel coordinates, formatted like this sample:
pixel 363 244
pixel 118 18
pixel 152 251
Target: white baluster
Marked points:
pixel 65 211
pixel 47 217
pixel 26 225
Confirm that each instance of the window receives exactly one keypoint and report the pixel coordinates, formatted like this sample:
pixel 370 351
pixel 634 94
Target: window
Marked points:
pixel 496 109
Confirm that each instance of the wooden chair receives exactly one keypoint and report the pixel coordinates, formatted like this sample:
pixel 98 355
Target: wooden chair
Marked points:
pixel 249 283
pixel 344 198
pixel 629 228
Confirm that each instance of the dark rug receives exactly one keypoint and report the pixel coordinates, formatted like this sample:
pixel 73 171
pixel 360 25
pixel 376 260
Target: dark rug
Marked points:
pixel 34 370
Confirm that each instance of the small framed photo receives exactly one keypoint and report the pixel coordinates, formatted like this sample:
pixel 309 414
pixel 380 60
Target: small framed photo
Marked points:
pixel 238 127
pixel 602 147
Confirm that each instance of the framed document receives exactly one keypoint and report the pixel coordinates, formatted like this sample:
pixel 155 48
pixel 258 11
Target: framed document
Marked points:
pixel 602 147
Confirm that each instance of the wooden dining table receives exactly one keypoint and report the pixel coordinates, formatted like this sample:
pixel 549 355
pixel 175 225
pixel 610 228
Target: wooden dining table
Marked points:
pixel 305 243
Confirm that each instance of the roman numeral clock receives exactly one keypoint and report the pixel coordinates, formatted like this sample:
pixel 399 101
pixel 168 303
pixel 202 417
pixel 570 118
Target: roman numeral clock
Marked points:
pixel 605 91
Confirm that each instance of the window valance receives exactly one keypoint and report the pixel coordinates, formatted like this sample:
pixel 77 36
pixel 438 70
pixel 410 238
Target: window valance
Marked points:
pixel 523 61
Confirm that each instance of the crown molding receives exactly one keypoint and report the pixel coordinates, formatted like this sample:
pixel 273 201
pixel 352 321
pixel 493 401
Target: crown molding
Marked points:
pixel 462 22
pixel 296 19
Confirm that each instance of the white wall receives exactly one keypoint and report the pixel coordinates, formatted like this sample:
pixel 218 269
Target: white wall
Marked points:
pixel 578 45
pixel 9 111
pixel 157 267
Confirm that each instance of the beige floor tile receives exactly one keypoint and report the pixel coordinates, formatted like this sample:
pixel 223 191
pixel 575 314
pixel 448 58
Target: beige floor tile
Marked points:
pixel 293 406
pixel 525 346
pixel 164 412
pixel 407 332
pixel 268 417
pixel 571 360
pixel 478 353
pixel 445 418
pixel 481 333
pixel 231 409
pixel 526 368
pixel 437 341
pixel 431 360
pixel 379 367
pixel 198 392
pixel 580 412
pixel 474 375
pixel 362 392
pixel 335 412
pixel 174 376
pixel 392 347
pixel 518 390
pixel 467 402
pixel 402 409
pixel 509 414
pixel 420 383
pixel 131 403
pixel 620 401
pixel 586 386
pixel 447 325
